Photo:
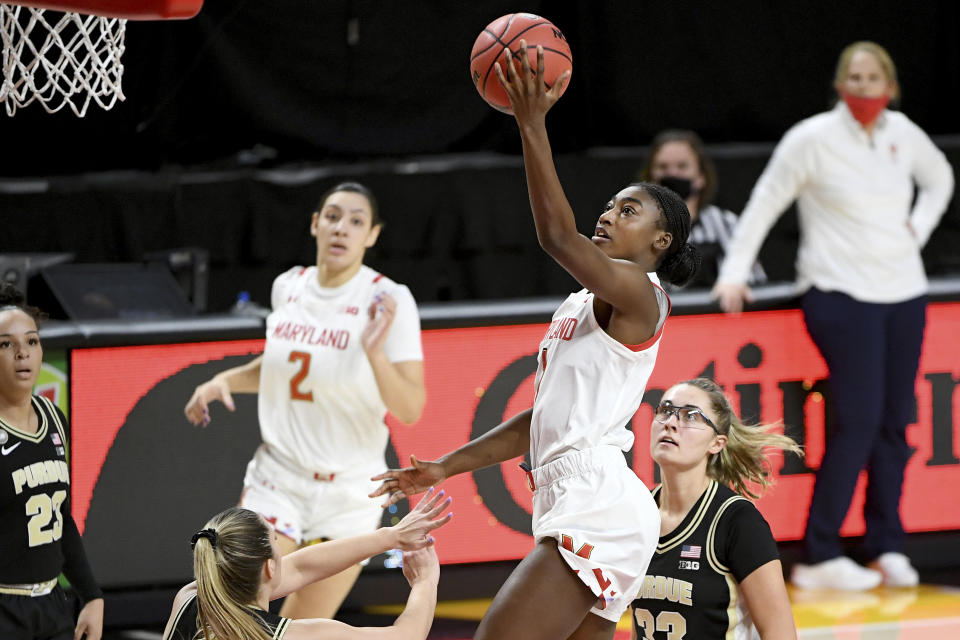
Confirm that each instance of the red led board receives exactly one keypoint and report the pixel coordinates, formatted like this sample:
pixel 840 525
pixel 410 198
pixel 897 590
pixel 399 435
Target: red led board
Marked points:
pixel 478 376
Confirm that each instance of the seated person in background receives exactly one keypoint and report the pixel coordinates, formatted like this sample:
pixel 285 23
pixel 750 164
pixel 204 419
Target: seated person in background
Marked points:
pixel 679 161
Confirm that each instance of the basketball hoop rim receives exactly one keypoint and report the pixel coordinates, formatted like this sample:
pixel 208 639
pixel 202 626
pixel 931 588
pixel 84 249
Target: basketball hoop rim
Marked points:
pixel 124 9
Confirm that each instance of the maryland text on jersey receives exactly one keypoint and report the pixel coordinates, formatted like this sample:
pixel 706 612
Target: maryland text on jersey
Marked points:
pixel 309 334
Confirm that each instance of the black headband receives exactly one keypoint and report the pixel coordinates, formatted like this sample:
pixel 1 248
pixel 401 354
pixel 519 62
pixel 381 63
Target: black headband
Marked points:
pixel 209 534
pixel 677 223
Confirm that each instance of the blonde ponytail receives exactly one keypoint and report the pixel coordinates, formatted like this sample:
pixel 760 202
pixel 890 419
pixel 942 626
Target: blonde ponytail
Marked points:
pixel 743 460
pixel 228 556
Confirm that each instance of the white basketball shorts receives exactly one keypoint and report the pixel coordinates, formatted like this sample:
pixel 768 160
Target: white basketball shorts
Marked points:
pixel 604 520
pixel 307 506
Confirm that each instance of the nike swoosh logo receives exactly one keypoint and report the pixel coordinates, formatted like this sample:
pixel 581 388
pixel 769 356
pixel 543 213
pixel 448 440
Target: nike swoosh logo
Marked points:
pixel 6 450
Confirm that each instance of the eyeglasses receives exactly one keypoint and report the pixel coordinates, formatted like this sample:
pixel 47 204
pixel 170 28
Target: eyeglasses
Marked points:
pixel 688 416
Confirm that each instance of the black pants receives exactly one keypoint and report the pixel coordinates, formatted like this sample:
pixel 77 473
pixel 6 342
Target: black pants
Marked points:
pixel 872 352
pixel 49 617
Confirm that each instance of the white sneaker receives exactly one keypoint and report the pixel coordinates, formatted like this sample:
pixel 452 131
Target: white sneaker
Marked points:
pixel 896 569
pixel 838 573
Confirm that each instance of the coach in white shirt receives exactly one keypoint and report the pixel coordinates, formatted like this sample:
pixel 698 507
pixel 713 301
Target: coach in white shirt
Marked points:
pixel 852 171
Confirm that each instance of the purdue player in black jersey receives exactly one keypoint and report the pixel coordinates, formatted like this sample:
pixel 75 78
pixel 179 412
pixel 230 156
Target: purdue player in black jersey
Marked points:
pixel 38 537
pixel 239 569
pixel 716 572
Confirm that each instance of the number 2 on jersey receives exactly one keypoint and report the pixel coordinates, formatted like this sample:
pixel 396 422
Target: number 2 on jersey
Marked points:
pixel 297 379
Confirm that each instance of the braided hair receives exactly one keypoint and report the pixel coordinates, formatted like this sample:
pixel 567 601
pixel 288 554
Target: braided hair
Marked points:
pixel 681 259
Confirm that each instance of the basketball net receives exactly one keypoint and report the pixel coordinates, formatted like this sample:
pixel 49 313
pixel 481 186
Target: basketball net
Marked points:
pixel 60 59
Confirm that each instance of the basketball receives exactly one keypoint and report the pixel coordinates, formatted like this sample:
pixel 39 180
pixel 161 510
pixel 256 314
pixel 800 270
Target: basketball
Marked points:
pixel 507 31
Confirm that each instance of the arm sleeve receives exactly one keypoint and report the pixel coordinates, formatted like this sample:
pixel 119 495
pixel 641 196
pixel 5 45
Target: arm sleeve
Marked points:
pixel 778 186
pixel 729 224
pixel 75 564
pixel 403 341
pixel 934 178
pixel 748 542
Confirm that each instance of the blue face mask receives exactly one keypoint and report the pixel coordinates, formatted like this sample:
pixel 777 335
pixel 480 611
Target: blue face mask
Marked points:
pixel 683 187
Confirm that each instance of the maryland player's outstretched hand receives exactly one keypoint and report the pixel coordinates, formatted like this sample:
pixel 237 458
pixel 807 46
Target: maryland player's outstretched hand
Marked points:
pixel 398 484
pixel 198 410
pixel 413 531
pixel 529 96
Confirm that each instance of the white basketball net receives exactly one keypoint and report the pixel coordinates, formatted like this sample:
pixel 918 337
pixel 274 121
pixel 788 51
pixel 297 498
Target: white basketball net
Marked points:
pixel 60 59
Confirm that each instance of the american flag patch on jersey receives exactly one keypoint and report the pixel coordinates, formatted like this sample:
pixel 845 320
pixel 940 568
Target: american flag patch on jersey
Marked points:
pixel 690 551
pixel 56 438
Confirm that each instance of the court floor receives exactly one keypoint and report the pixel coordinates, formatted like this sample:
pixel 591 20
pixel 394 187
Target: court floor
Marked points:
pixel 929 612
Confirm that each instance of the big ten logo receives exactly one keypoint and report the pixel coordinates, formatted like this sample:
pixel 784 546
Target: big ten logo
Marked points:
pixel 352 310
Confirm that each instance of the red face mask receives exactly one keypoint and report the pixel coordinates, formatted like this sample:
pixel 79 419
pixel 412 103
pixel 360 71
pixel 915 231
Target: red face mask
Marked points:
pixel 865 110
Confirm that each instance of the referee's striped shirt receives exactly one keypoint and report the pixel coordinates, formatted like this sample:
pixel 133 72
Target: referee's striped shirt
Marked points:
pixel 715 226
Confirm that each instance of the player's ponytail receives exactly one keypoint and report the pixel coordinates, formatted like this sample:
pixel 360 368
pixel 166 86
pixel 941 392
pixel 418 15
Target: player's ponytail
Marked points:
pixel 228 556
pixel 743 459
pixel 680 267
pixel 681 260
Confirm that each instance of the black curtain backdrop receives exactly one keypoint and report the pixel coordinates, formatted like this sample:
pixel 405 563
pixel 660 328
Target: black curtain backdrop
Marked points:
pixel 458 227
pixel 267 82
pixel 237 120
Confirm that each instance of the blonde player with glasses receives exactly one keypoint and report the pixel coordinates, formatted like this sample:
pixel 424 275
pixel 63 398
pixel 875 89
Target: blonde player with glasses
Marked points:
pixel 716 572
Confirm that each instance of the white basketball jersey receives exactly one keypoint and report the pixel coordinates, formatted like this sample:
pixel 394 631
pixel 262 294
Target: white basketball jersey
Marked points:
pixel 319 404
pixel 588 385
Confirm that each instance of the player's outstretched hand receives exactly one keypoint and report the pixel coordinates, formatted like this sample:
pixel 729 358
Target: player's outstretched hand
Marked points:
pixel 398 484
pixel 198 407
pixel 413 531
pixel 529 96
pixel 421 565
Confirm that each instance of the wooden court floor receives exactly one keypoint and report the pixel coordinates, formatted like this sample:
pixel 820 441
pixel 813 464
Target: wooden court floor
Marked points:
pixel 929 612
